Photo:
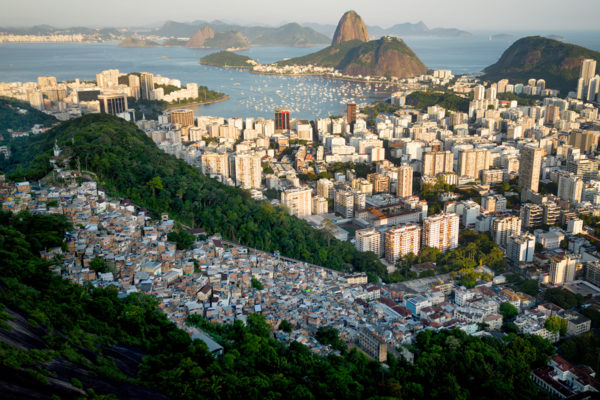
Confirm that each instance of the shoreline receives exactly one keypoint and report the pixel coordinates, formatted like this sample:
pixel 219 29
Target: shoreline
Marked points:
pixel 197 103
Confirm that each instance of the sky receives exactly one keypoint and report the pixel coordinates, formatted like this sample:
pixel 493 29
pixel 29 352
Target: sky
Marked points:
pixel 501 15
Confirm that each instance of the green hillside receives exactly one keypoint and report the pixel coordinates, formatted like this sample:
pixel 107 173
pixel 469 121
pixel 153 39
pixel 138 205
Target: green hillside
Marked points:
pixel 227 59
pixel 383 57
pixel 12 118
pixel 330 56
pixel 538 57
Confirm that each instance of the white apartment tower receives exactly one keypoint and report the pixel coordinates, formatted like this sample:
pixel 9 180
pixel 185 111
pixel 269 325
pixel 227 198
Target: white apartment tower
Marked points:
pixel 504 227
pixel 298 201
pixel 245 170
pixel 369 239
pixel 441 231
pixel 402 240
pixel 215 164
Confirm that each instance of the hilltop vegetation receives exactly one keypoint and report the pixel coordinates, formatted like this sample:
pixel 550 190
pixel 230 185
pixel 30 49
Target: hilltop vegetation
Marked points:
pixel 12 118
pixel 538 57
pixel 227 59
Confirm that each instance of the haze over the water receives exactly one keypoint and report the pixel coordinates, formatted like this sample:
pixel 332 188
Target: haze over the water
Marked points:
pixel 502 15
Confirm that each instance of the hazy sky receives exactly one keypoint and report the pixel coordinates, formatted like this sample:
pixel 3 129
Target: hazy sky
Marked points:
pixel 554 15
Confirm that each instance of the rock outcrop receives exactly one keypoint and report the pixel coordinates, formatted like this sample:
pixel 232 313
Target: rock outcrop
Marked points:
pixel 350 27
pixel 198 39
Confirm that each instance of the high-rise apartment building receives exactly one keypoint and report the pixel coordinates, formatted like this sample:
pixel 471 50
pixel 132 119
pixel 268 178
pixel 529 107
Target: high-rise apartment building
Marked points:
pixel 112 104
pixel 583 168
pixel 479 92
pixel 437 162
pixel 531 215
pixel 215 164
pixel 587 73
pixel 562 269
pixel 586 141
pixel 380 182
pixel 351 114
pixel 504 227
pixel 298 201
pixel 441 231
pixel 472 162
pixel 282 119
pixel 530 166
pixel 520 248
pixel 246 170
pixel 325 188
pixel 588 70
pixel 343 203
pixel 134 85
pixel 551 213
pixel 404 185
pixel 147 85
pixel 320 205
pixel 183 117
pixel 592 272
pixel 108 79
pixel 402 240
pixel 369 239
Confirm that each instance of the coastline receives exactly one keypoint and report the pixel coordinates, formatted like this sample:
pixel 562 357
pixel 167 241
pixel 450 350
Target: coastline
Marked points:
pixel 197 103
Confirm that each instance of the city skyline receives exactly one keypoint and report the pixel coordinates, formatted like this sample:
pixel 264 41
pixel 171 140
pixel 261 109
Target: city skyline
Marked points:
pixel 510 15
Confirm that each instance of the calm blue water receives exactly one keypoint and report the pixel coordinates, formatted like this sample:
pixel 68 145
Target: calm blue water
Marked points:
pixel 251 95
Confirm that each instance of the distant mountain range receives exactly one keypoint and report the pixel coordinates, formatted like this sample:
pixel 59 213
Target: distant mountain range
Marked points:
pixel 404 29
pixel 286 35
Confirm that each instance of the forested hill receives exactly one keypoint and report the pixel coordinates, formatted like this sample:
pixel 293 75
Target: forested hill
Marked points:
pixel 538 57
pixel 130 165
pixel 19 116
pixel 62 340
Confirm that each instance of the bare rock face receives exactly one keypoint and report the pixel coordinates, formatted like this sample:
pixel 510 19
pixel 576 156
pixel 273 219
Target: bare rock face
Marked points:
pixel 199 38
pixel 350 27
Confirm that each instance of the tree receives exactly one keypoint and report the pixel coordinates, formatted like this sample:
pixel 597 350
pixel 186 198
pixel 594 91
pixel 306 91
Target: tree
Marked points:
pixel 508 310
pixel 328 335
pixel 155 184
pixel 562 298
pixel 285 326
pixel 181 238
pixel 531 287
pixel 99 265
pixel 556 324
pixel 256 284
